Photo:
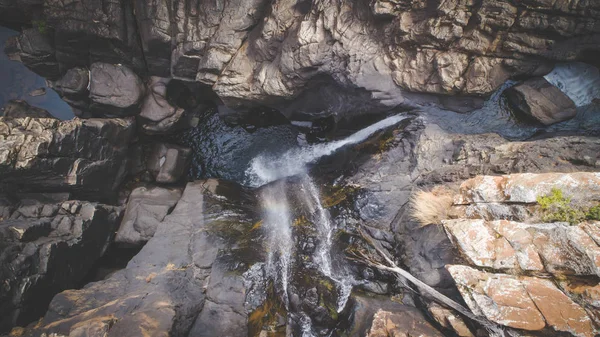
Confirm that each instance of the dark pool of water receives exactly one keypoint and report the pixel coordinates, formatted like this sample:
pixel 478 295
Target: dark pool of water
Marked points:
pixel 16 82
pixel 224 151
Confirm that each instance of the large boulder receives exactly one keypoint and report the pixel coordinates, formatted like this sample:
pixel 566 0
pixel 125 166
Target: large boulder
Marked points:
pixel 83 156
pixel 157 114
pixel 380 317
pixel 35 48
pixel 538 99
pixel 114 89
pixel 146 209
pixel 46 248
pixel 526 303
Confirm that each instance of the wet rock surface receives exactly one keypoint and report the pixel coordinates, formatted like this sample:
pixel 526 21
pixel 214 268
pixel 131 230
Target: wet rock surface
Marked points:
pixel 538 99
pixel 46 248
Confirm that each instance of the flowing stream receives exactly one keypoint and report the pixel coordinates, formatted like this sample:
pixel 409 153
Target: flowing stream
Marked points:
pixel 278 217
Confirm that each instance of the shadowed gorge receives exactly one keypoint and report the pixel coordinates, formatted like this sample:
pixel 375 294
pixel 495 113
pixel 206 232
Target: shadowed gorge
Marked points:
pixel 299 168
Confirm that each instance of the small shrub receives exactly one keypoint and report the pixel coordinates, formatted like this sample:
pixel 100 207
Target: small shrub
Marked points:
pixel 431 207
pixel 593 213
pixel 556 207
pixel 40 25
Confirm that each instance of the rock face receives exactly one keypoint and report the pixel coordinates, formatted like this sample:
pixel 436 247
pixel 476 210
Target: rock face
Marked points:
pixel 146 209
pixel 43 154
pixel 420 154
pixel 513 246
pixel 187 280
pixel 19 109
pixel 158 114
pixel 267 53
pixel 114 87
pixel 521 302
pixel 561 261
pixel 378 316
pixel 46 248
pixel 542 101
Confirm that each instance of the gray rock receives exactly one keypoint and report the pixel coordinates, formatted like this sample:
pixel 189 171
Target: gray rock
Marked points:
pixel 88 156
pixel 74 82
pixel 167 162
pixel 159 116
pixel 146 208
pixel 182 279
pixel 45 249
pixel 540 100
pixel 422 154
pixel 115 88
pixel 17 108
pixel 261 53
pixel 91 31
pixel 36 51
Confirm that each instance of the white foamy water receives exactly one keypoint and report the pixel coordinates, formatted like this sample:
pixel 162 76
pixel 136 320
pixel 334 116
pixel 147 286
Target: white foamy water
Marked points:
pixel 265 169
pixel 278 223
pixel 277 215
pixel 325 228
pixel 579 81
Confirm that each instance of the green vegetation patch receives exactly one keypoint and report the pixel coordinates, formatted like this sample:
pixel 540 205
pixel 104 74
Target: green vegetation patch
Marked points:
pixel 556 207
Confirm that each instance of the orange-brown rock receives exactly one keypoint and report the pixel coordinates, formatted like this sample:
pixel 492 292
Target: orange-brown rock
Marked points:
pixel 527 303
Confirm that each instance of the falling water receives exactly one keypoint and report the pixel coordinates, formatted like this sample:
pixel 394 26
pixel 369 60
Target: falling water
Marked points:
pixel 264 169
pixel 323 252
pixel 277 217
pixel 579 81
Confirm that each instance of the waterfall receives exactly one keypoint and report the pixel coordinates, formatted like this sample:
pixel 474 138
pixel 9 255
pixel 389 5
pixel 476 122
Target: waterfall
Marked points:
pixel 579 81
pixel 277 215
pixel 265 169
pixel 277 219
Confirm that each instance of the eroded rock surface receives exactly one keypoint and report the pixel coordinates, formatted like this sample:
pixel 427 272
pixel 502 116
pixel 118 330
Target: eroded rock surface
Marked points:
pixel 145 210
pixel 188 278
pixel 51 155
pixel 421 154
pixel 270 53
pixel 540 100
pixel 46 248
pixel 527 303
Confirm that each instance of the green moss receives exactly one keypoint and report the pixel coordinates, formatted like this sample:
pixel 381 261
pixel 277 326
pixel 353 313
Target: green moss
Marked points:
pixel 593 213
pixel 336 195
pixel 557 207
pixel 40 25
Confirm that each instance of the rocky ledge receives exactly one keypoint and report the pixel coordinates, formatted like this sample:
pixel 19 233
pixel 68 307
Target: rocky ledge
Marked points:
pixel 524 273
pixel 48 246
pixel 369 54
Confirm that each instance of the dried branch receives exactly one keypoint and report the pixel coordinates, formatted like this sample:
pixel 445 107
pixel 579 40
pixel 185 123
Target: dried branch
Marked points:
pixel 390 266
